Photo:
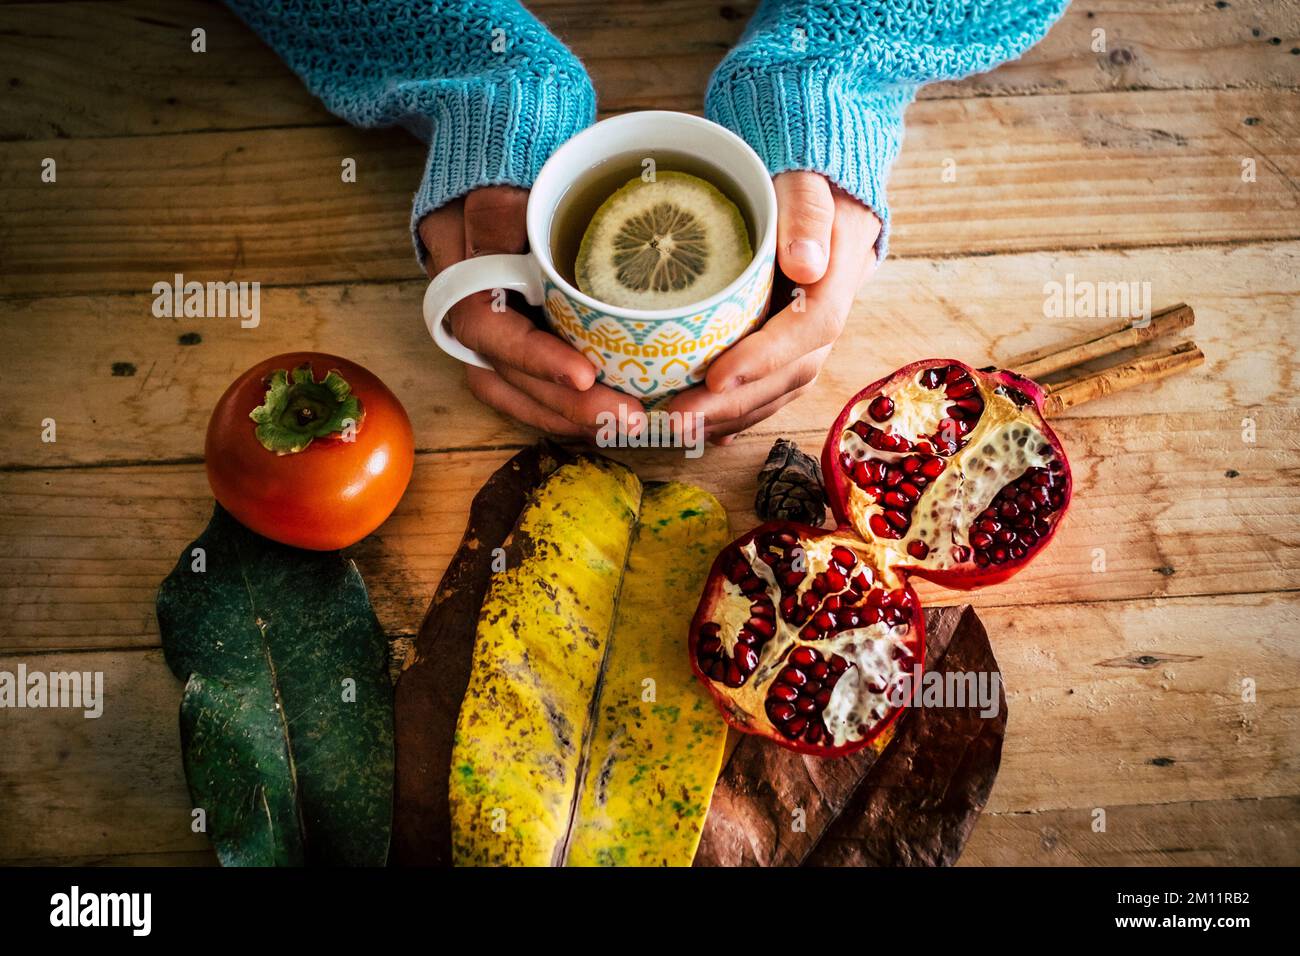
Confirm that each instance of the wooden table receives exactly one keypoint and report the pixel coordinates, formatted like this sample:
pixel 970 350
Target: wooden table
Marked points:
pixel 1123 164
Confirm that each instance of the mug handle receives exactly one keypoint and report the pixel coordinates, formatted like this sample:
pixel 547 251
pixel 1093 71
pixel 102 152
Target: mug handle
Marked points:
pixel 518 272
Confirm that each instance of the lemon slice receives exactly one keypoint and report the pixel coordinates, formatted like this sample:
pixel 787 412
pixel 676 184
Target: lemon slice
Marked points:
pixel 662 244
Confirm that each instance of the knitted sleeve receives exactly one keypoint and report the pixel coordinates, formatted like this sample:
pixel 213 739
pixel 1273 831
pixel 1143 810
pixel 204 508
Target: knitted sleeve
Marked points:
pixel 823 85
pixel 481 81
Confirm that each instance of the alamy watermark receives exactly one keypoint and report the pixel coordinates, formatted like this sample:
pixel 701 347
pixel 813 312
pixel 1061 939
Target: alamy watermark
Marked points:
pixel 75 690
pixel 1084 299
pixel 653 429
pixel 921 688
pixel 208 300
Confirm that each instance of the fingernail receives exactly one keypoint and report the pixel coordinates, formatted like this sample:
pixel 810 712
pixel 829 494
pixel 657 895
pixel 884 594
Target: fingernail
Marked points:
pixel 808 252
pixel 562 379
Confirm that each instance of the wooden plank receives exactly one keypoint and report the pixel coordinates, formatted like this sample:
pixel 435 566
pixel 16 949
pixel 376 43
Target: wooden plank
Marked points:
pixel 1164 505
pixel 1208 833
pixel 125 68
pixel 116 69
pixel 1031 172
pixel 1247 832
pixel 1084 730
pixel 977 309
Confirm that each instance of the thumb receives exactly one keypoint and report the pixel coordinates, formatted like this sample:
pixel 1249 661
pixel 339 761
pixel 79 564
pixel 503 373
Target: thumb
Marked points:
pixel 805 212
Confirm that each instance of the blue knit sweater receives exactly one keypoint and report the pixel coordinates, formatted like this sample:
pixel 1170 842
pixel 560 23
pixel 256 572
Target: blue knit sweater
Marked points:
pixel 811 85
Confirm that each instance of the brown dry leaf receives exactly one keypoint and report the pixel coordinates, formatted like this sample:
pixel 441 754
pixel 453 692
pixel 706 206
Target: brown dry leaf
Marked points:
pixel 915 804
pixel 437 671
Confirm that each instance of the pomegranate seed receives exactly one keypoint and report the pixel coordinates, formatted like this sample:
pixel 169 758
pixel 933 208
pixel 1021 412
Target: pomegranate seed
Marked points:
pixel 864 580
pixel 835 581
pixel 981 539
pixel 843 557
pixel 1008 509
pixel 746 659
pixel 814 734
pixel 794 677
pixel 781 711
pixel 783 692
pixel 734 677
pixel 930 378
pixel 880 527
pixel 918 549
pixel 823 698
pixel 796 726
pixel 803 657
pixel 961 554
pixel 859 474
pixel 955 373
pixel 963 386
pixel 824 622
pixel 710 646
pixel 765 627
pixel 895 499
pixel 811 688
pixel 893 477
pixel 909 491
pixel 820 670
pixel 805 705
pixel 911 465
pixel 897 519
pixel 881 408
pixel 932 467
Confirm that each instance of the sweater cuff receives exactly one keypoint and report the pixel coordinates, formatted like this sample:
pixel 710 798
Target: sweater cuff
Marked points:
pixel 808 119
pixel 492 135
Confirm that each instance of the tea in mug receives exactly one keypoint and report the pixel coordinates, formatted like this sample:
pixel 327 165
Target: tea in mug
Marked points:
pixel 652 230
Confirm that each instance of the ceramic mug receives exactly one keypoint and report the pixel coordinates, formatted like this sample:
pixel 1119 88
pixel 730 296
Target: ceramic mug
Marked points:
pixel 651 354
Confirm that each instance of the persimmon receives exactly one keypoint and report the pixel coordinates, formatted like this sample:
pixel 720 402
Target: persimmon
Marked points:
pixel 310 450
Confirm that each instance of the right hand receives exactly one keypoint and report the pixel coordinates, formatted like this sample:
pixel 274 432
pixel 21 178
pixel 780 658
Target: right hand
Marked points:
pixel 536 377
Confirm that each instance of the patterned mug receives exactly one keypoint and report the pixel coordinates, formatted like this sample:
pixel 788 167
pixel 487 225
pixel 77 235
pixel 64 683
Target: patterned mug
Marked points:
pixel 650 354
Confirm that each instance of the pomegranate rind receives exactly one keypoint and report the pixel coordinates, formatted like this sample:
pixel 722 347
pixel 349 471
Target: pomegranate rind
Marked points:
pixel 759 723
pixel 963 575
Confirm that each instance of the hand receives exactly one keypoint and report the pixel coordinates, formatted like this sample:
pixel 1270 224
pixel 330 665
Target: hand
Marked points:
pixel 825 242
pixel 536 377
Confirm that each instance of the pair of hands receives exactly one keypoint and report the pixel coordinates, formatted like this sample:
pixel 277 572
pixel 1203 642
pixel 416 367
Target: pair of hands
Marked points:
pixel 825 245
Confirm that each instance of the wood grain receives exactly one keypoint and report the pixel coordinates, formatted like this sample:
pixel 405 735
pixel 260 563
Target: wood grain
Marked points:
pixel 1245 832
pixel 1083 733
pixel 979 309
pixel 1165 505
pixel 1031 172
pixel 125 68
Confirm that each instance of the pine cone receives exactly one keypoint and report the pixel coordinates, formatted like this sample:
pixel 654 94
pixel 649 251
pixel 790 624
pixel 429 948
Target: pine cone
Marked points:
pixel 790 486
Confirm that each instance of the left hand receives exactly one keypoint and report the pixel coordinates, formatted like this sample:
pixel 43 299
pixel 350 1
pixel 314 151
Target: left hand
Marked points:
pixel 825 242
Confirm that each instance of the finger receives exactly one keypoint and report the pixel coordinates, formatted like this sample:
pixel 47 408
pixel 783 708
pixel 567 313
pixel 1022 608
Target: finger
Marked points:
pixel 492 390
pixel 815 319
pixel 724 433
pixel 805 212
pixel 590 410
pixel 495 220
pixel 443 234
pixel 509 340
pixel 723 407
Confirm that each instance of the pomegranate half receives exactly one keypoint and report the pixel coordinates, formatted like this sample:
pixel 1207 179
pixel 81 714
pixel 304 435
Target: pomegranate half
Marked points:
pixel 940 470
pixel 951 472
pixel 800 637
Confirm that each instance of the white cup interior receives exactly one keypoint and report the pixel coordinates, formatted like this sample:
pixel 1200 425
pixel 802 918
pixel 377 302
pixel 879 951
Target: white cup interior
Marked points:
pixel 651 130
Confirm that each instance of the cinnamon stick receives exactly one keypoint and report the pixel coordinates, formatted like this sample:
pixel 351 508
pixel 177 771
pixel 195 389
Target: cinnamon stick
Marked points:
pixel 1148 368
pixel 1124 335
